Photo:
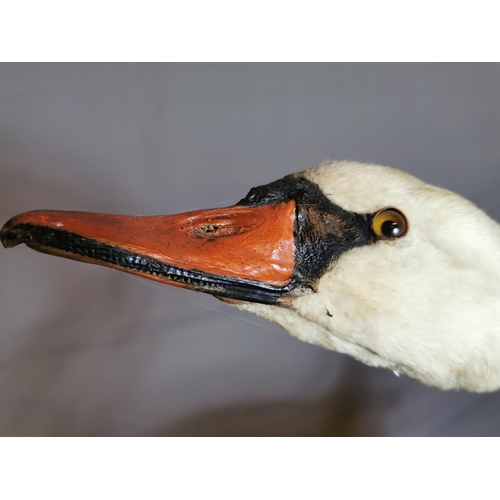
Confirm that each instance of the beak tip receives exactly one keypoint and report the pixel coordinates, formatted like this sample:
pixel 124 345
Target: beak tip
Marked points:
pixel 11 235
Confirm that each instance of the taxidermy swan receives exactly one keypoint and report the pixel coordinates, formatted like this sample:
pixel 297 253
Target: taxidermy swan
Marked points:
pixel 362 259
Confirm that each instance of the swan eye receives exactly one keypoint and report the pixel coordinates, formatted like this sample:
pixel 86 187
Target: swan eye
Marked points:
pixel 389 224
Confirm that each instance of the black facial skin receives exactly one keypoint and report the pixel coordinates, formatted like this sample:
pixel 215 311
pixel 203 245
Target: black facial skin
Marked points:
pixel 322 232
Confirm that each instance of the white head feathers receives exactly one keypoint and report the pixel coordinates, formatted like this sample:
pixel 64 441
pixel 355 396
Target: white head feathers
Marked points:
pixel 426 305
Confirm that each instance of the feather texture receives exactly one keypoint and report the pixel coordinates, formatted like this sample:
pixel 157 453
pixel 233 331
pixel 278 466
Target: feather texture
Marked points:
pixel 426 305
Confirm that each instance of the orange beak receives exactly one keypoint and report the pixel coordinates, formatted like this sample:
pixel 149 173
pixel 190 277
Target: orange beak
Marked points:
pixel 239 252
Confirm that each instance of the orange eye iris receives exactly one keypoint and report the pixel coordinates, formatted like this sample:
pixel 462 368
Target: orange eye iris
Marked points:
pixel 389 224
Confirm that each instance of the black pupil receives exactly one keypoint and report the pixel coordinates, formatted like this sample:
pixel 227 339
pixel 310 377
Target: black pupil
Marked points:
pixel 390 229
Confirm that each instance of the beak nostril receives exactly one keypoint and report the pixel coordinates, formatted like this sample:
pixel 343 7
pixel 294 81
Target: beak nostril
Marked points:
pixel 217 230
pixel 208 228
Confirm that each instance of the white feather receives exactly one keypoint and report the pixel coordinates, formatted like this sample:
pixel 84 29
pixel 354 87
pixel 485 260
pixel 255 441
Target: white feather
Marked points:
pixel 426 305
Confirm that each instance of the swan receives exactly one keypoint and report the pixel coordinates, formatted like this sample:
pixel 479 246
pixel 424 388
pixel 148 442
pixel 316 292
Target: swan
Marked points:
pixel 362 259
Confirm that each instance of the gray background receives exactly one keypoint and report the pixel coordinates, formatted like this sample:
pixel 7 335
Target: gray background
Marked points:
pixel 85 350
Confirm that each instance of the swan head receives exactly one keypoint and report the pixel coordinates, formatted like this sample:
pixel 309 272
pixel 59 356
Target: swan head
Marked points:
pixel 362 259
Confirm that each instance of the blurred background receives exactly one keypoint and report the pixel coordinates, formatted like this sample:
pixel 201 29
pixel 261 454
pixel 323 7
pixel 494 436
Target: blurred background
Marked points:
pixel 86 350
